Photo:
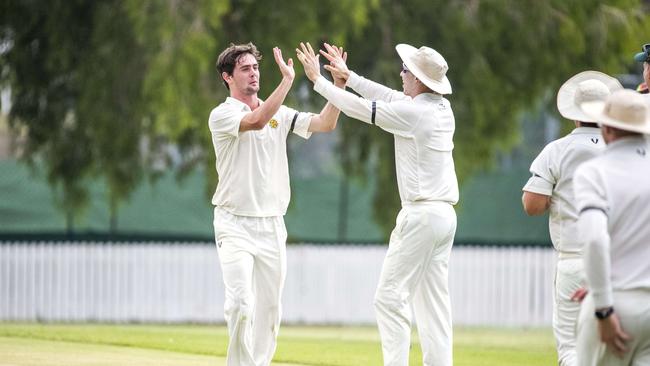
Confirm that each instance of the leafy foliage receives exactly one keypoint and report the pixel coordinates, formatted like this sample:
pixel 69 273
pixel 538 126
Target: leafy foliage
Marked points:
pixel 103 87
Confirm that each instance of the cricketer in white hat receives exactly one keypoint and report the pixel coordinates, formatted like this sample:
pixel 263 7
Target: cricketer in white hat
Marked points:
pixel 551 188
pixel 613 197
pixel 427 65
pixel 414 272
pixel 644 57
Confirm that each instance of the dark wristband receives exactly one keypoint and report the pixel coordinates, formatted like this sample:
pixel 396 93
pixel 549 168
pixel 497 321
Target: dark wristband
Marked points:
pixel 604 313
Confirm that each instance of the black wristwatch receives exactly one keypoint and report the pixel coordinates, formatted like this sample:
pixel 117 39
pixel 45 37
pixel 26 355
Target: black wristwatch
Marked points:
pixel 604 313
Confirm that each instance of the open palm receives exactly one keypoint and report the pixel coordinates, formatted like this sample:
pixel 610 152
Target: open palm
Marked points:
pixel 337 58
pixel 286 68
pixel 309 60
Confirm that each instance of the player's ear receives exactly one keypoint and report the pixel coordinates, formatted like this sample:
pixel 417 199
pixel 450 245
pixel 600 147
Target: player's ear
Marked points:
pixel 225 76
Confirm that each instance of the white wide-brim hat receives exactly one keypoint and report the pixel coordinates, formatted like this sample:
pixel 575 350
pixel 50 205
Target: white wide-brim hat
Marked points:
pixel 587 86
pixel 427 65
pixel 624 109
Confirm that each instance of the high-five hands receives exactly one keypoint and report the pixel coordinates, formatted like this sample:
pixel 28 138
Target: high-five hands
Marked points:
pixel 309 60
pixel 337 58
pixel 285 68
pixel 311 64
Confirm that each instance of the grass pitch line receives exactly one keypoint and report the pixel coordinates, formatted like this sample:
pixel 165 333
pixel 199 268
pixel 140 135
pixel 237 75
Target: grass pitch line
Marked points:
pixel 35 352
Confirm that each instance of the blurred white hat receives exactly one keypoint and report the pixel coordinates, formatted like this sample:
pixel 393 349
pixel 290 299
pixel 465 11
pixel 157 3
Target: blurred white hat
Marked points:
pixel 587 86
pixel 624 109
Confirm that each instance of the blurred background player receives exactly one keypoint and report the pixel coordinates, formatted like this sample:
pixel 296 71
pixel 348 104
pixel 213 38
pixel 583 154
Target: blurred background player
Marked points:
pixel 613 197
pixel 551 188
pixel 644 57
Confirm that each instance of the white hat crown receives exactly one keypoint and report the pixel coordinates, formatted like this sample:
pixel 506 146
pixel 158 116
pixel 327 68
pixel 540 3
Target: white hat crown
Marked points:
pixel 590 90
pixel 584 87
pixel 430 62
pixel 627 107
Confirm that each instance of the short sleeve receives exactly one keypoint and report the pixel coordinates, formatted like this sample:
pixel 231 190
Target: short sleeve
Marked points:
pixel 297 122
pixel 589 189
pixel 225 120
pixel 537 184
pixel 543 178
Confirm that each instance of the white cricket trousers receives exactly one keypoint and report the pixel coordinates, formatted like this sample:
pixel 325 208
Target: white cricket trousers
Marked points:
pixel 252 254
pixel 569 277
pixel 414 274
pixel 633 310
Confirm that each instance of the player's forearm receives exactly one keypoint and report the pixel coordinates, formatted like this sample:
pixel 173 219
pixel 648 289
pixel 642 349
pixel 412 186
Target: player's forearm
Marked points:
pixel 534 203
pixel 592 226
pixel 326 120
pixel 372 90
pixel 348 103
pixel 260 116
pixel 328 117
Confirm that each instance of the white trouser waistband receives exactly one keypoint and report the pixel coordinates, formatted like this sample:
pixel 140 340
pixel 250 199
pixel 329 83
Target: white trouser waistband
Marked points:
pixel 569 255
pixel 425 203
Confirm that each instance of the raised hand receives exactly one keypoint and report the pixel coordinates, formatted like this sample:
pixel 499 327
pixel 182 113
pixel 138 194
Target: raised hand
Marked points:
pixel 285 68
pixel 337 58
pixel 309 60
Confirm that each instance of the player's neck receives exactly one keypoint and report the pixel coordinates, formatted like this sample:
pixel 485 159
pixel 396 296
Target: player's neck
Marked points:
pixel 250 100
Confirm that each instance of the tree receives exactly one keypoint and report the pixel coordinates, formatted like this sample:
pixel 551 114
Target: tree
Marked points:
pixel 503 56
pixel 47 44
pixel 92 80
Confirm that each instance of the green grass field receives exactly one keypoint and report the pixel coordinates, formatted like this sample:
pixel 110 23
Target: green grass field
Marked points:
pixel 144 345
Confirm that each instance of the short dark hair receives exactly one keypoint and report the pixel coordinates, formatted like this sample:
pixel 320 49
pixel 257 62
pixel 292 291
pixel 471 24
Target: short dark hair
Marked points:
pixel 588 124
pixel 229 57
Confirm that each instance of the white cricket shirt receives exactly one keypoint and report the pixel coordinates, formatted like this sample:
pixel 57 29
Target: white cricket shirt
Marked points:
pixel 616 184
pixel 252 165
pixel 423 128
pixel 552 175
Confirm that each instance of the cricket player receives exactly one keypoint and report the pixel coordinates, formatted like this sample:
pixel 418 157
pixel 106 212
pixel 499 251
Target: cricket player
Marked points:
pixel 250 142
pixel 613 199
pixel 551 188
pixel 644 57
pixel 414 272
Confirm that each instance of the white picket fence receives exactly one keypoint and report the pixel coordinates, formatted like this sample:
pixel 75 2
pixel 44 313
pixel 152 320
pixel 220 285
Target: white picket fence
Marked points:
pixel 133 282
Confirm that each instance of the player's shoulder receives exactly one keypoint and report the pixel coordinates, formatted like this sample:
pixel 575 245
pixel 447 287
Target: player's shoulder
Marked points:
pixel 287 114
pixel 584 142
pixel 286 110
pixel 227 108
pixel 554 147
pixel 590 167
pixel 590 137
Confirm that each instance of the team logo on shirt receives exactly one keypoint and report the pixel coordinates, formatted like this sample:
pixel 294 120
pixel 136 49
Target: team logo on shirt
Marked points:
pixel 641 151
pixel 273 123
pixel 594 140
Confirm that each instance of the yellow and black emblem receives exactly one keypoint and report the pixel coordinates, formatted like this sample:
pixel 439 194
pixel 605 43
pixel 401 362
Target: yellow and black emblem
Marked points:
pixel 273 123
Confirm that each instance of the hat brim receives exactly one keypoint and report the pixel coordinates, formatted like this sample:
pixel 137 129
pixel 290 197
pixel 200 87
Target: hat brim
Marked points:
pixel 566 95
pixel 406 52
pixel 595 110
pixel 641 57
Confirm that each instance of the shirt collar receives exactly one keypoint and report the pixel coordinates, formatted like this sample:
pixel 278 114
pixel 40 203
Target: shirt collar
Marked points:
pixel 239 103
pixel 626 141
pixel 585 130
pixel 428 96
